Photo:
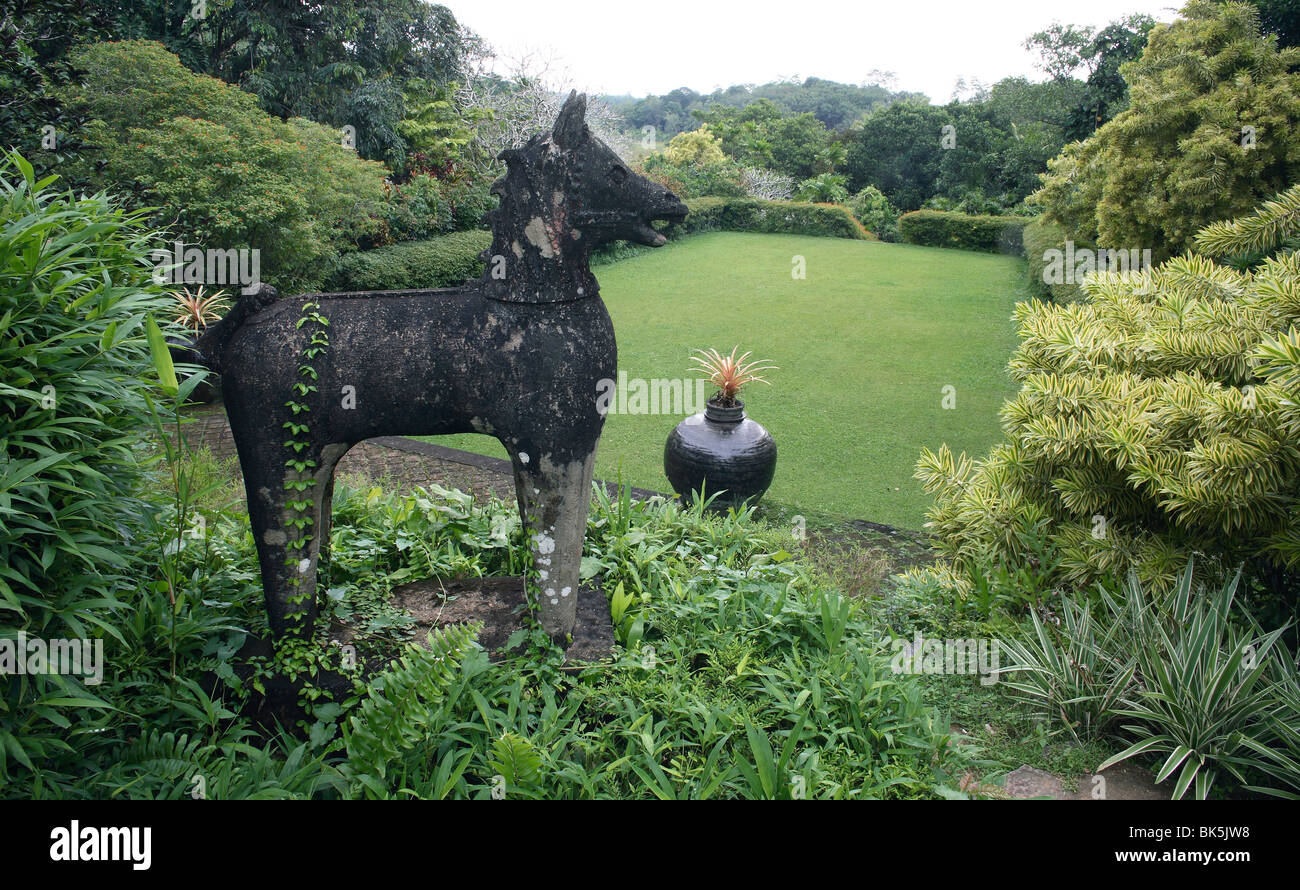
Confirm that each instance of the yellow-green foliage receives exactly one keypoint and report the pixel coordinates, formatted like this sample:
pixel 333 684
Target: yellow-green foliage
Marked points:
pixel 695 147
pixel 1210 131
pixel 1157 418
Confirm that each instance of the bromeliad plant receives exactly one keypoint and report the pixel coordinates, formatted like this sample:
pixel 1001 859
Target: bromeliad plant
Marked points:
pixel 729 373
pixel 197 310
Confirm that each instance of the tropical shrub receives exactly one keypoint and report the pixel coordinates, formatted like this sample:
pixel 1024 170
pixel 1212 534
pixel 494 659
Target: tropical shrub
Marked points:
pixel 1210 131
pixel 762 134
pixel 824 188
pixel 874 211
pixel 897 148
pixel 224 173
pixel 766 184
pixel 695 147
pixel 694 180
pixel 437 262
pixel 939 228
pixel 75 290
pixel 425 206
pixel 1156 419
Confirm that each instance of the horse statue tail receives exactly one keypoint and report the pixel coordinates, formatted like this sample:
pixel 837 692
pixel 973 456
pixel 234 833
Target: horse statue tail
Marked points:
pixel 211 347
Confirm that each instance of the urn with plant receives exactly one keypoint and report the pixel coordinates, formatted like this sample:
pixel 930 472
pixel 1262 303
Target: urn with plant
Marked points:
pixel 720 451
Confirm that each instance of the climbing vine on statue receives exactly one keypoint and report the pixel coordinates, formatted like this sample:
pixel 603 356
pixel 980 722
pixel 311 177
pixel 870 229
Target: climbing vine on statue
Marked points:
pixel 302 479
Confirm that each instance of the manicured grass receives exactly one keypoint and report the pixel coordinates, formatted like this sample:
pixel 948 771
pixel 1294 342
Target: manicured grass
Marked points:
pixel 865 346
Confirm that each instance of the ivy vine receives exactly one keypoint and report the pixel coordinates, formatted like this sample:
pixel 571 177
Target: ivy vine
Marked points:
pixel 303 467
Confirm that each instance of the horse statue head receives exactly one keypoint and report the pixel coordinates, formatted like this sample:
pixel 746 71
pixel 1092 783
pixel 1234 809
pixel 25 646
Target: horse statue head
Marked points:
pixel 565 194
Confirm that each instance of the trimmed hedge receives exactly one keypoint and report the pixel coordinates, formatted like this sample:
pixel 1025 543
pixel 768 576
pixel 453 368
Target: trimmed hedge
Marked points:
pixel 451 259
pixel 774 217
pixel 444 261
pixel 1041 236
pixel 943 228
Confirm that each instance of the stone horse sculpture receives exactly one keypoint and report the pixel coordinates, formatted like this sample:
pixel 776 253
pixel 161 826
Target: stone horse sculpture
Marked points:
pixel 515 354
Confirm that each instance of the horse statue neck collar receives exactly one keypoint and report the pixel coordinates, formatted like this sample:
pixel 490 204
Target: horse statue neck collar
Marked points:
pixel 538 254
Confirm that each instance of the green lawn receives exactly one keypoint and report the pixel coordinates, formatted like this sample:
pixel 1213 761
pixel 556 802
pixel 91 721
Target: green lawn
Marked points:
pixel 865 345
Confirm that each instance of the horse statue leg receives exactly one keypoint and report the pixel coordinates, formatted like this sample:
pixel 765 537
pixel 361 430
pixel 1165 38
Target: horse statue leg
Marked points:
pixel 289 537
pixel 553 500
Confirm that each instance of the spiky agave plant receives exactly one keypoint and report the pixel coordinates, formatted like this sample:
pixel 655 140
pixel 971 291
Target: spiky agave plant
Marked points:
pixel 729 373
pixel 197 310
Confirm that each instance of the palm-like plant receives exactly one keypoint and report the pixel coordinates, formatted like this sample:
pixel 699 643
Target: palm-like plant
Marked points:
pixel 729 373
pixel 197 310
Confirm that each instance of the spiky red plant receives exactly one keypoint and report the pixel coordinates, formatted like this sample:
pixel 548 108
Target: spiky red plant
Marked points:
pixel 729 373
pixel 197 310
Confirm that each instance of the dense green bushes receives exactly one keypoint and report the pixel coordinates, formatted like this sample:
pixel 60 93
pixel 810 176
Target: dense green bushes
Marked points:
pixel 876 214
pixel 715 668
pixel 225 174
pixel 75 290
pixel 425 207
pixel 939 228
pixel 693 166
pixel 438 262
pixel 723 637
pixel 1211 130
pixel 776 217
pixel 451 259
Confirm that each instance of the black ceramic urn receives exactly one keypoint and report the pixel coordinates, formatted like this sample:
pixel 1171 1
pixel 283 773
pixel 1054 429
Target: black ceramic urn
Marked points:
pixel 722 451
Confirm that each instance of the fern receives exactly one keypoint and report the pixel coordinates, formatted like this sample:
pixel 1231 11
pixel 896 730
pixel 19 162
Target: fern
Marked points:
pixel 402 710
pixel 167 765
pixel 515 759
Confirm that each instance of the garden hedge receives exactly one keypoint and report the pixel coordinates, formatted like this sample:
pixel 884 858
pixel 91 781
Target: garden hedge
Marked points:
pixel 777 217
pixel 438 262
pixel 450 259
pixel 943 228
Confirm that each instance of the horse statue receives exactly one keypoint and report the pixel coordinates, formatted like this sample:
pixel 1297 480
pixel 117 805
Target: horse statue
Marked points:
pixel 516 354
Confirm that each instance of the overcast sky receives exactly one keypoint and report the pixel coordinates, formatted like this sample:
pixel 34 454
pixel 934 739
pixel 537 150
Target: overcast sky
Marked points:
pixel 637 47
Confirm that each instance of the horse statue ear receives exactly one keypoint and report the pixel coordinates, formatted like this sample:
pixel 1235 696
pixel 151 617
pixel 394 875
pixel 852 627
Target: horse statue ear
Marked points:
pixel 571 125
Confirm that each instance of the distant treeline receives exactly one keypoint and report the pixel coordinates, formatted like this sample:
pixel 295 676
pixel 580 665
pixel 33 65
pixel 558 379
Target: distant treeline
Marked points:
pixel 837 105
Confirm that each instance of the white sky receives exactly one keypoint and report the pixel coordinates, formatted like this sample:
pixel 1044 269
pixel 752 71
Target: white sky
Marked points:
pixel 638 47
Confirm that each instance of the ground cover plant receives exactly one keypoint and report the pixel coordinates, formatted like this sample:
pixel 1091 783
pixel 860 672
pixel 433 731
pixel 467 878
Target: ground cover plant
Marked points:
pixel 738 673
pixel 1126 541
